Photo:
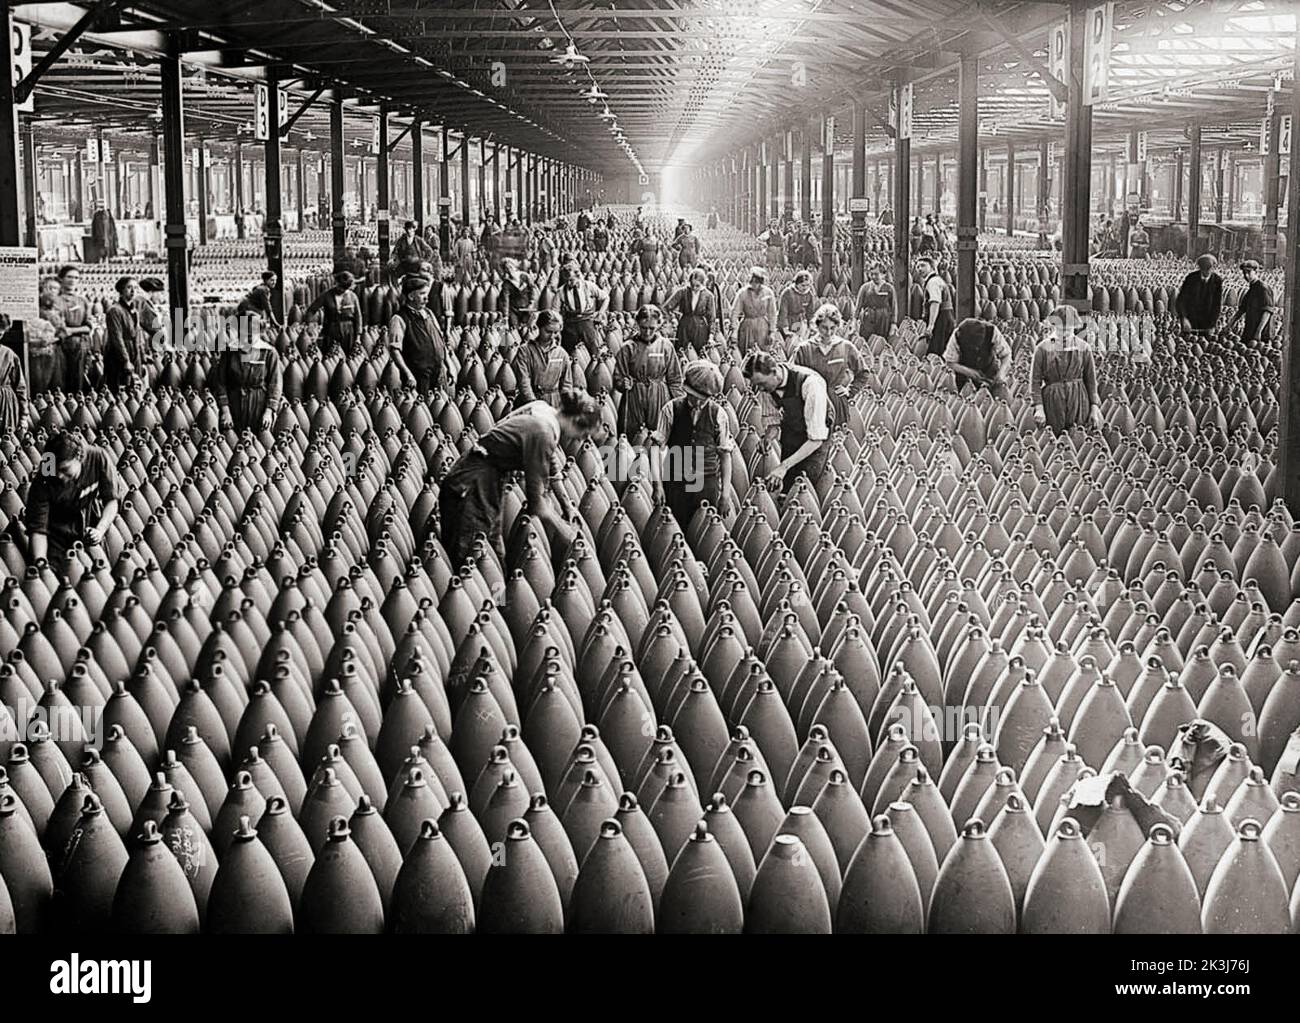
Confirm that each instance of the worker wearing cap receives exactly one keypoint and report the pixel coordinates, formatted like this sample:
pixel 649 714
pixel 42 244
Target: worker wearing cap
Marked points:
pixel 691 446
pixel 1255 307
pixel 415 339
pixel 342 311
pixel 259 298
pixel 411 252
pixel 806 416
pixel 581 303
pixel 543 369
pixel 938 306
pixel 1200 299
pixel 754 315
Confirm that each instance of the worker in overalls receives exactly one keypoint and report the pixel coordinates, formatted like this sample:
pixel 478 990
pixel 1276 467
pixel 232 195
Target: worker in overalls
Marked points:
pixel 806 416
pixel 691 446
pixel 532 440
pixel 938 306
pixel 415 339
pixel 648 374
pixel 581 303
pixel 342 311
pixel 73 498
pixel 543 369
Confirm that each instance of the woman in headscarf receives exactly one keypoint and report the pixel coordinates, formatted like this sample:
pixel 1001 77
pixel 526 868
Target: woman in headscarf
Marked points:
pixel 342 311
pixel 875 306
pixel 648 373
pixel 753 314
pixel 1063 376
pixel 691 446
pixel 835 358
pixel 695 305
pixel 124 362
pixel 247 379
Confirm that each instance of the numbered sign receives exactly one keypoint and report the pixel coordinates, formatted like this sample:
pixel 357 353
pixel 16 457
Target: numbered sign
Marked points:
pixel 261 113
pixel 283 100
pixel 1142 147
pixel 374 143
pixel 900 111
pixel 22 48
pixel 1096 70
pixel 1058 63
pixel 105 151
pixel 1284 137
pixel 1264 136
pixel 92 150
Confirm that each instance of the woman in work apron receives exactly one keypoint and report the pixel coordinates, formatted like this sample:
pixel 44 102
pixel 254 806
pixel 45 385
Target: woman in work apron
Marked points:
pixel 247 384
pixel 649 374
pixel 342 311
pixel 13 396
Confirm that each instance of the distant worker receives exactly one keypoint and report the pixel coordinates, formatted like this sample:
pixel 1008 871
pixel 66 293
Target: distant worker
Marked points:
pixel 938 306
pixel 342 311
pixel 1255 307
pixel 1200 299
pixel 977 351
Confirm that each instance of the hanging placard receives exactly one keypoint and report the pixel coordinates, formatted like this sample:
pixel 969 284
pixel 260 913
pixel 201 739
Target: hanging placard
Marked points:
pixel 1142 147
pixel 1284 137
pixel 1096 67
pixel 22 49
pixel 900 111
pixel 1058 63
pixel 828 143
pixel 282 99
pixel 261 113
pixel 1264 140
pixel 374 144
pixel 105 151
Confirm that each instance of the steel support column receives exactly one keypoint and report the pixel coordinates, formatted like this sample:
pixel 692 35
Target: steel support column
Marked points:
pixel 805 195
pixel 273 225
pixel 968 141
pixel 1044 192
pixel 30 172
pixel 859 192
pixel 1288 447
pixel 338 221
pixel 1272 188
pixel 201 186
pixel 465 218
pixel 496 182
pixel 1076 184
pixel 1194 196
pixel 938 185
pixel 902 203
pixel 1011 189
pixel 1219 167
pixel 383 184
pixel 417 177
pixel 984 190
pixel 1178 185
pixel 828 206
pixel 787 154
pixel 173 131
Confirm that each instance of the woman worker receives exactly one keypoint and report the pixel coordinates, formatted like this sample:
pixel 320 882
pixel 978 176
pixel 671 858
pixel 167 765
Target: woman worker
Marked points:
pixel 123 355
pixel 692 446
pixel 247 379
pixel 875 306
pixel 342 310
pixel 415 339
pixel 834 358
pixel 73 498
pixel 649 375
pixel 543 369
pixel 531 439
pixel 1063 377
pixel 695 305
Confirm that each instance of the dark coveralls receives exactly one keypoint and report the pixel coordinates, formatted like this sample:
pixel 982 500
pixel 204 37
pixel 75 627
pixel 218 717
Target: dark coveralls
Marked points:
pixel 680 429
pixel 343 324
pixel 423 349
pixel 944 323
pixel 122 346
pixel 64 511
pixel 470 496
pixel 794 428
pixel 248 383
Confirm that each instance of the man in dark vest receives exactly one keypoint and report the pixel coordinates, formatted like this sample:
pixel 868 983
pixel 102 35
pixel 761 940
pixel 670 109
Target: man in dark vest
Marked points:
pixel 692 446
pixel 977 351
pixel 806 417
pixel 415 339
pixel 938 306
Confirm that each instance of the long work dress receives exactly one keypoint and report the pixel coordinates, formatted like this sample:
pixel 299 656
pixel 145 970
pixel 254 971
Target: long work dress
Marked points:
pixel 542 373
pixel 123 359
pixel 875 310
pixel 248 383
pixel 840 366
pixel 695 308
pixel 1064 382
pixel 756 314
pixel 12 393
pixel 649 374
pixel 342 312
